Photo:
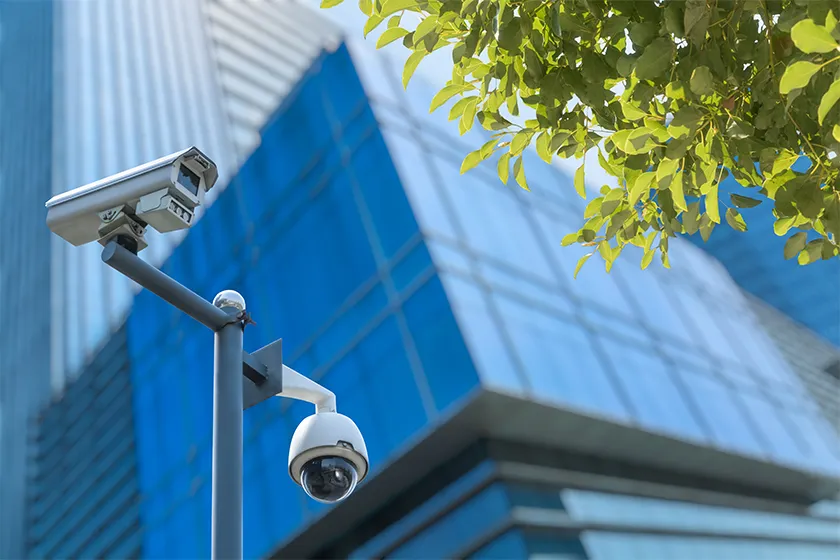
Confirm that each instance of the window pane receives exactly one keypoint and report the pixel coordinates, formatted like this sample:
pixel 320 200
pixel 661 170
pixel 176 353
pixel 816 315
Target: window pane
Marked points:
pixel 657 401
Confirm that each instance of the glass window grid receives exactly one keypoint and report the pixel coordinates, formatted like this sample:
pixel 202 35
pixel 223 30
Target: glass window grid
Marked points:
pixel 698 351
pixel 54 522
pixel 448 498
pixel 93 465
pixel 459 527
pixel 620 546
pixel 159 368
pixel 108 513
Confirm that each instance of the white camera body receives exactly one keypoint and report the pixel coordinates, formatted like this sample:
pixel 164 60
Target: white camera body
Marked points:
pixel 163 194
pixel 328 436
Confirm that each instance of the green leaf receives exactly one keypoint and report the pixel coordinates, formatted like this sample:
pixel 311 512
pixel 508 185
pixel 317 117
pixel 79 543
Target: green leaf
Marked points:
pixel 426 26
pixel 632 142
pixel 390 35
pixel 580 262
pixel 666 170
pixel 392 6
pixel 691 218
pixel 830 21
pixel 642 33
pixel 503 167
pixel 593 207
pixel 712 207
pixel 836 132
pixel 458 108
pixel 641 187
pixel 472 159
pixel 783 225
pixel 330 3
pixel 706 227
pixel 393 22
pixel 411 65
pixel 372 23
pixel 797 75
pixel 611 201
pixel 631 112
pixel 811 253
pixel 696 21
pixel 812 38
pixel 649 240
pixel 675 90
pixel 677 193
pixel 735 220
pixel 783 161
pixel 829 99
pixel 519 173
pixel 685 123
pixel 605 251
pixel 702 82
pixel 544 146
pixel 605 165
pixel 647 258
pixel 488 148
pixel 666 261
pixel 655 59
pixel 674 19
pixel 366 7
pixel 580 185
pixel 520 141
pixel 795 244
pixel 625 65
pixel 443 95
pixel 657 129
pixel 739 129
pixel 468 118
pixel 570 239
pixel 743 201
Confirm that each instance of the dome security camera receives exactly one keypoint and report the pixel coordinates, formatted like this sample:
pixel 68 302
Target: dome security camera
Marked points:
pixel 328 456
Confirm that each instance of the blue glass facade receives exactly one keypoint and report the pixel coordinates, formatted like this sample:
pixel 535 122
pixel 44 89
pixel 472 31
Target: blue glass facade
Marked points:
pixel 26 39
pixel 405 288
pixel 329 257
pixel 83 495
pixel 808 294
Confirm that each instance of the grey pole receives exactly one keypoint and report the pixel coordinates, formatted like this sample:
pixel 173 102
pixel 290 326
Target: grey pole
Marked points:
pixel 124 261
pixel 226 516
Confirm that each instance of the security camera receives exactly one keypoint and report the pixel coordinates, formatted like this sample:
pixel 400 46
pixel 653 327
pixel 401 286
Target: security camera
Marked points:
pixel 163 194
pixel 328 456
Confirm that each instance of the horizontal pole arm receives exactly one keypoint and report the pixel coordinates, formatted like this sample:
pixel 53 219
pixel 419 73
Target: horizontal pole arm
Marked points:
pixel 127 263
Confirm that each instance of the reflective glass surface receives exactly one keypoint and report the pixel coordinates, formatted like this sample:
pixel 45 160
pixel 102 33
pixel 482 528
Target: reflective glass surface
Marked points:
pixel 328 256
pixel 808 294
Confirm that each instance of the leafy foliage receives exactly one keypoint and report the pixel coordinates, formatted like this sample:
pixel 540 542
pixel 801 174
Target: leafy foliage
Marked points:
pixel 674 95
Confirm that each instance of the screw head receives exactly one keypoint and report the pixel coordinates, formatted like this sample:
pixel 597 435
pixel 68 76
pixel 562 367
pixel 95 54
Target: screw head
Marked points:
pixel 229 298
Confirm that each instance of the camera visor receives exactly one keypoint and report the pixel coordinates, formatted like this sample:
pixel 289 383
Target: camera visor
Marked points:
pixel 188 179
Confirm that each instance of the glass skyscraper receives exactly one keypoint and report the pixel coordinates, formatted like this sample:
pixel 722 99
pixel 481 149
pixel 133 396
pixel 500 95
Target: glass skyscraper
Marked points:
pixel 26 87
pixel 88 89
pixel 509 410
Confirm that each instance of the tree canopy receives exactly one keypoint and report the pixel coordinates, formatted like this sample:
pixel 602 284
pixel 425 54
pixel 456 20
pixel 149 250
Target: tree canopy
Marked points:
pixel 674 95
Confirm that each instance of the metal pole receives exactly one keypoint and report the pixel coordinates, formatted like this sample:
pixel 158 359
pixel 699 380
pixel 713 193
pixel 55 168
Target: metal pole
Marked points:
pixel 122 260
pixel 226 540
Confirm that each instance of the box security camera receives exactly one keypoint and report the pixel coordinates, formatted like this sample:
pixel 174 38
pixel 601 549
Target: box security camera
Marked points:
pixel 163 194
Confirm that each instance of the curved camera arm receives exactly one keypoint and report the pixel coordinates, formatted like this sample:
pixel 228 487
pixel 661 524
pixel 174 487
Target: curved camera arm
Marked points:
pixel 298 386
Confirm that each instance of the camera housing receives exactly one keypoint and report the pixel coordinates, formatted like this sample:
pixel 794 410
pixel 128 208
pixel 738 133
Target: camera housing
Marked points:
pixel 163 194
pixel 328 456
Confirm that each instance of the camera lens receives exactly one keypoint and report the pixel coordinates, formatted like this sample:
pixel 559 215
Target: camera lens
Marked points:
pixel 188 179
pixel 328 479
